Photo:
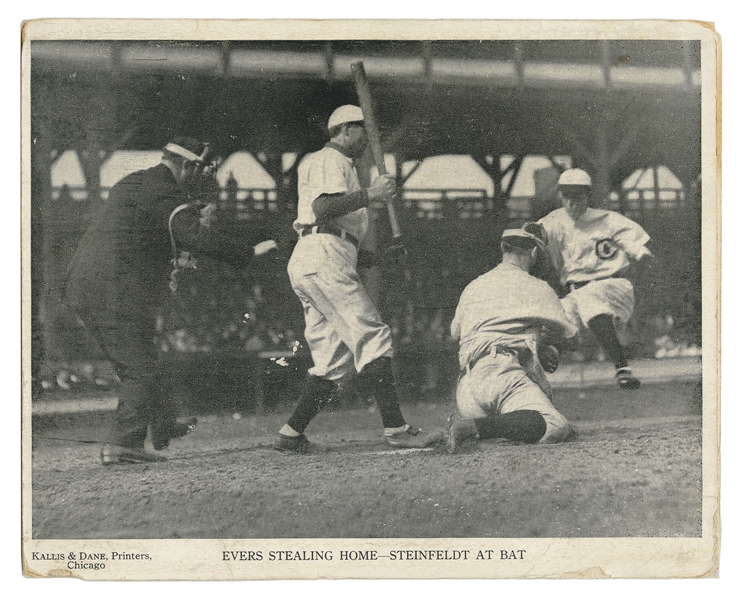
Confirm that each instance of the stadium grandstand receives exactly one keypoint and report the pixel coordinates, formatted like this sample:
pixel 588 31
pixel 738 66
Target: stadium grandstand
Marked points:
pixel 477 133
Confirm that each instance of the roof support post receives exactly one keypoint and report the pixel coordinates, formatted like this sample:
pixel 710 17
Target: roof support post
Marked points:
pixel 40 255
pixel 91 160
pixel 606 63
pixel 273 164
pixel 601 163
pixel 598 158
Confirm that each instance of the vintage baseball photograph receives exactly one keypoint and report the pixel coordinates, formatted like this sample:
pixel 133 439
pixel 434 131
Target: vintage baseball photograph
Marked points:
pixel 370 300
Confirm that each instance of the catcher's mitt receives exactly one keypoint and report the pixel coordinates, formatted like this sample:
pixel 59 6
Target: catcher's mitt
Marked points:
pixel 549 357
pixel 538 231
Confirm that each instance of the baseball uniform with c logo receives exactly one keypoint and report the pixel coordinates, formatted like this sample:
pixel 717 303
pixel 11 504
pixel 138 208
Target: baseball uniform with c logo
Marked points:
pixel 591 255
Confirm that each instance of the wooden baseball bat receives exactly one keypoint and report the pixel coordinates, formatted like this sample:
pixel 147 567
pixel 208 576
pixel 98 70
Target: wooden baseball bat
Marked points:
pixel 373 136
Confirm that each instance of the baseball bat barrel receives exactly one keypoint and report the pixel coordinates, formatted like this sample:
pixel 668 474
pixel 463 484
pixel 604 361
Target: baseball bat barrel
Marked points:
pixel 373 135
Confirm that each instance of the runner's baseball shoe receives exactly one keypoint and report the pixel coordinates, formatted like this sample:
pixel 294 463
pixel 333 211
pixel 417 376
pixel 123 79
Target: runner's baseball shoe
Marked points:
pixel 414 437
pixel 626 380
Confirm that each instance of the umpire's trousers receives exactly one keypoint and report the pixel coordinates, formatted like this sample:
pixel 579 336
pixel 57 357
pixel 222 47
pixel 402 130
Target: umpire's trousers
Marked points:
pixel 127 340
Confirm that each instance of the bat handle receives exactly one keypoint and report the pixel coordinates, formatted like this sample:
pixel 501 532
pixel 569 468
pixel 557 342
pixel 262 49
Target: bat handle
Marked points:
pixel 363 93
pixel 395 228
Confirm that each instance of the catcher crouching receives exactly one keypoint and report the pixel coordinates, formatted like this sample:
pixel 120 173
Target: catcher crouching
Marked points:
pixel 509 324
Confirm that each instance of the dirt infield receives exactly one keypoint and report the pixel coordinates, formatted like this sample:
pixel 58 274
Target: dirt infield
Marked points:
pixel 635 470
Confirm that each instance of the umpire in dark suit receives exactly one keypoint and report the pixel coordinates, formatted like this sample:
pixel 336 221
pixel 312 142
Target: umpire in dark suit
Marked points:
pixel 119 276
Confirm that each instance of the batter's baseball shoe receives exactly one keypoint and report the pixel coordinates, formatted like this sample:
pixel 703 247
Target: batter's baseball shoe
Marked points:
pixel 414 437
pixel 572 433
pixel 285 443
pixel 626 380
pixel 458 431
pixel 161 437
pixel 112 454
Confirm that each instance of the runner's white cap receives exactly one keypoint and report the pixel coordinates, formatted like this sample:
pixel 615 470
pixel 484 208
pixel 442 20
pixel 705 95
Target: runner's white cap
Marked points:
pixel 575 177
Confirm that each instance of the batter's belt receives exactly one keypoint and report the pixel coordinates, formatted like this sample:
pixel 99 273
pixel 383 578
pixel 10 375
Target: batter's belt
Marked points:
pixel 340 233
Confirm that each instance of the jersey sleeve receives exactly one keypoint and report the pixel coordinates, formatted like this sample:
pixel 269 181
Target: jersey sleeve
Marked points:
pixel 329 206
pixel 456 325
pixel 631 237
pixel 328 176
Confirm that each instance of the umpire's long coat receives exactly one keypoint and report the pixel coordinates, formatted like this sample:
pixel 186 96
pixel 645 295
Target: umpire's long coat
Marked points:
pixel 123 263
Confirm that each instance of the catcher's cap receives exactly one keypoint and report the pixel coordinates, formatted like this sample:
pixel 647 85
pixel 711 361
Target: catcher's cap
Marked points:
pixel 521 238
pixel 349 113
pixel 575 177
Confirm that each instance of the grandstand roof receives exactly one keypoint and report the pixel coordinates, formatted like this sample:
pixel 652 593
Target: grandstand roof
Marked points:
pixel 431 97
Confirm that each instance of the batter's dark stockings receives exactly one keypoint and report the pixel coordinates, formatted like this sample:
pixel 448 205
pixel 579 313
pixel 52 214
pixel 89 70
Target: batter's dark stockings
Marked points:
pixel 377 379
pixel 316 392
pixel 606 333
pixel 526 426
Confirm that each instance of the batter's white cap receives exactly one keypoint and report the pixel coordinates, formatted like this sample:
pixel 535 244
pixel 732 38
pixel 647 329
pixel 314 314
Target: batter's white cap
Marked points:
pixel 575 177
pixel 348 113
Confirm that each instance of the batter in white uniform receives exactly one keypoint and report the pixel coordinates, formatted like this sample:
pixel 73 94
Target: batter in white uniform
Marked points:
pixel 592 249
pixel 502 317
pixel 344 330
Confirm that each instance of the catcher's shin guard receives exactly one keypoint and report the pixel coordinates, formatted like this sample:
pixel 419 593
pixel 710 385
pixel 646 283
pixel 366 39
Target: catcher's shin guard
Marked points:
pixel 377 379
pixel 316 392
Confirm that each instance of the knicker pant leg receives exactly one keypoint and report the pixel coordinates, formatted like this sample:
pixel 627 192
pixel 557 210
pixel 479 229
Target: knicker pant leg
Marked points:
pixel 478 404
pixel 332 358
pixel 498 386
pixel 345 331
pixel 342 301
pixel 348 315
pixel 597 306
pixel 527 397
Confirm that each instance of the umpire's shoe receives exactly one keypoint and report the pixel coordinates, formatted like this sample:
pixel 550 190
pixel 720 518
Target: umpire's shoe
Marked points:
pixel 285 443
pixel 112 454
pixel 161 437
pixel 458 431
pixel 414 437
